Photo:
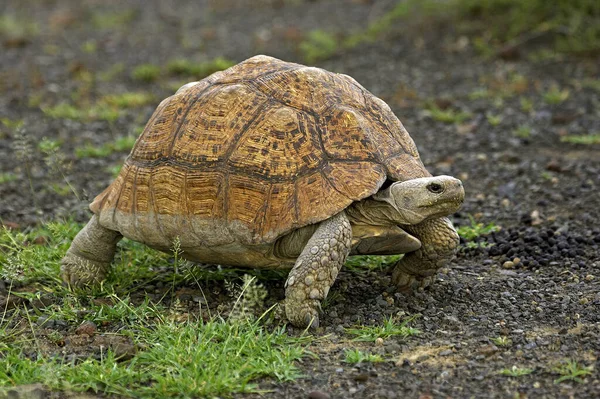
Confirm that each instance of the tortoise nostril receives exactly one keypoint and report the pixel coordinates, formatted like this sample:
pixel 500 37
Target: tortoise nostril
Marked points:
pixel 435 188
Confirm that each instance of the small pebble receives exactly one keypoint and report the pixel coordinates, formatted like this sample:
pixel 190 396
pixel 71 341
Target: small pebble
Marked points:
pixel 87 327
pixel 508 265
pixel 318 395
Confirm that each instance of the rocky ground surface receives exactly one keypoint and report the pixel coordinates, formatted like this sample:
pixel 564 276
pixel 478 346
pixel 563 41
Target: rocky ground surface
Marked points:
pixel 530 300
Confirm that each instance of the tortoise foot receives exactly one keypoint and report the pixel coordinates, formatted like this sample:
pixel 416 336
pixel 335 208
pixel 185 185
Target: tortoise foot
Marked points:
pixel 77 271
pixel 303 314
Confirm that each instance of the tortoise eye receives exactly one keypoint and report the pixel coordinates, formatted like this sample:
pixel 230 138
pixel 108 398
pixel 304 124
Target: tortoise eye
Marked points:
pixel 435 188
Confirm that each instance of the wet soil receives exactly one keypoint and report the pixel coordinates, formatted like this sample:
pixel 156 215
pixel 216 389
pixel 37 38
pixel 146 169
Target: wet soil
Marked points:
pixel 538 285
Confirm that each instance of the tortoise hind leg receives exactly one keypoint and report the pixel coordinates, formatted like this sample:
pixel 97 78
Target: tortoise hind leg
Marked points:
pixel 88 259
pixel 439 243
pixel 315 270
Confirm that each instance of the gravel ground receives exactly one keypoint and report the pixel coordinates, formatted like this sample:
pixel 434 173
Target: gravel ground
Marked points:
pixel 538 285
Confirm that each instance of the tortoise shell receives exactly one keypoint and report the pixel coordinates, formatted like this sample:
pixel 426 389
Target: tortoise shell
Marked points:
pixel 261 148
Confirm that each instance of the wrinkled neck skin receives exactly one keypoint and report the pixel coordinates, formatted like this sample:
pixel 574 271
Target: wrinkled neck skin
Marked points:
pixel 377 213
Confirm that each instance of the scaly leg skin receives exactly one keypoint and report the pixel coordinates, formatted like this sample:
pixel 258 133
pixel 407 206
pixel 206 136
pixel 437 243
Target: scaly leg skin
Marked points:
pixel 439 242
pixel 88 260
pixel 316 269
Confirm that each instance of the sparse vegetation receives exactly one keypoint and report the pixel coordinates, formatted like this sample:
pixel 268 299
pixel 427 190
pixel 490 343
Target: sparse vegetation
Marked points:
pixel 526 104
pixel 494 120
pixel 146 73
pixel 390 328
pixel 128 99
pixel 362 263
pixel 112 19
pixel 555 95
pixel 318 45
pixel 475 230
pixel 523 132
pixel 169 355
pixel 354 356
pixel 570 370
pixel 448 115
pixel 17 30
pixel 95 112
pixel 502 341
pixel 585 139
pixel 515 371
pixel 6 177
pixel 198 70
pixel 121 144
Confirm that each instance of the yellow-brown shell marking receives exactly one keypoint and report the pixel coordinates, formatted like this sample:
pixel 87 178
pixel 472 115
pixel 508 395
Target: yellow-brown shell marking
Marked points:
pixel 261 148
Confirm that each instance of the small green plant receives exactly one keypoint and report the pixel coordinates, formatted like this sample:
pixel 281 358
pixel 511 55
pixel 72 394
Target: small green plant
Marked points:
pixel 354 356
pixel 89 46
pixel 16 28
pixel 593 84
pixel 570 370
pixel 112 72
pixel 515 371
pixel 447 115
pixel 362 263
pixel 526 104
pixel 249 299
pixel 494 120
pixel 95 112
pixel 200 70
pixel 112 20
pixel 522 132
pixel 56 162
pixel 474 230
pixel 585 139
pixel 502 341
pixel 121 144
pixel 480 93
pixel 145 73
pixel 129 99
pixel 555 95
pixel 11 124
pixel 6 177
pixel 390 328
pixel 318 45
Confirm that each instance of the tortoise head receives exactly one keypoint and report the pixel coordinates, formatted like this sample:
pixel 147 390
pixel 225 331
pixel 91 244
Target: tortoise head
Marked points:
pixel 424 198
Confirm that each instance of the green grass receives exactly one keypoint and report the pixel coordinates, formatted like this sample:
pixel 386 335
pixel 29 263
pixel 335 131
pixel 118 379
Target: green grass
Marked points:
pixel 585 139
pixel 526 104
pixel 447 115
pixel 554 95
pixel 13 27
pixel 494 120
pixel 317 46
pixel 502 341
pixel 522 132
pixel 145 73
pixel 362 263
pixel 121 144
pixel 198 70
pixel 515 371
pixel 174 358
pixel 354 356
pixel 474 230
pixel 570 370
pixel 390 328
pixel 129 99
pixel 94 112
pixel 107 20
pixel 177 359
pixel 6 177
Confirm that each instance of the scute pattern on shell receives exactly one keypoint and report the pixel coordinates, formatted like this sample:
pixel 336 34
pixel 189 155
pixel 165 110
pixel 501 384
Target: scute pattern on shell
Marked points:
pixel 268 144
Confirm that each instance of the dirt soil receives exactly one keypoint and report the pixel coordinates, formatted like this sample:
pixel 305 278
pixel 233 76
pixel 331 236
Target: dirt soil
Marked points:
pixel 543 192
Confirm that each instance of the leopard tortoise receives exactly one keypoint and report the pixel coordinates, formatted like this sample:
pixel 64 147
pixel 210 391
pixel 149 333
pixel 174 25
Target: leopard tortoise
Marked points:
pixel 271 164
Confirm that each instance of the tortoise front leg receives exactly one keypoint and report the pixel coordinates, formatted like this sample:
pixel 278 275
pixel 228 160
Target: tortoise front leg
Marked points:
pixel 88 259
pixel 315 270
pixel 439 242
